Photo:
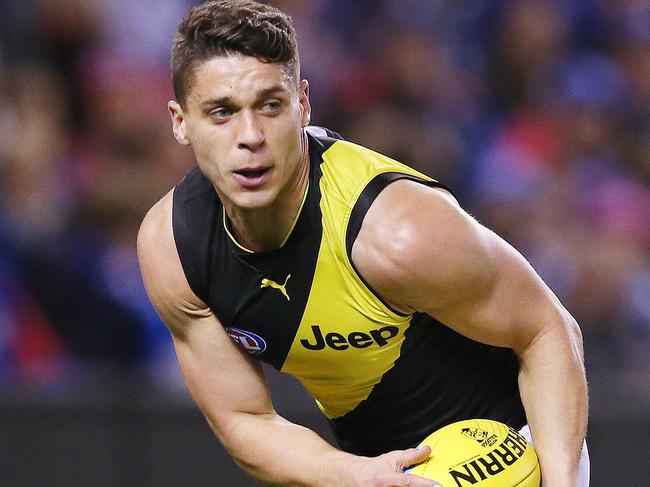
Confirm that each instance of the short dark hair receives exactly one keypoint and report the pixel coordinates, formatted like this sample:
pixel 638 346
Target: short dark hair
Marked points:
pixel 223 27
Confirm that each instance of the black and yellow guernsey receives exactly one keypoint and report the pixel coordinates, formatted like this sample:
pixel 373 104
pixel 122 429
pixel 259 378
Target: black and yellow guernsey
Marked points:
pixel 385 380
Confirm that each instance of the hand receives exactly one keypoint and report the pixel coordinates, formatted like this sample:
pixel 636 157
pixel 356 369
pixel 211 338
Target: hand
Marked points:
pixel 387 470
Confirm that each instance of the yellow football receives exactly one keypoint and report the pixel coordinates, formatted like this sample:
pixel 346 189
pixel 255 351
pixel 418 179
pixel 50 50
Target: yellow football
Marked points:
pixel 481 453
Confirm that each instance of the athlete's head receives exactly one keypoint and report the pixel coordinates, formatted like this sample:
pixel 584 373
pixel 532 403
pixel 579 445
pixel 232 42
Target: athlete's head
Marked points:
pixel 240 102
pixel 227 27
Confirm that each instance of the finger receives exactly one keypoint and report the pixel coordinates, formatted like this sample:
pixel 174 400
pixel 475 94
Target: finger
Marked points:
pixel 413 456
pixel 406 480
pixel 415 481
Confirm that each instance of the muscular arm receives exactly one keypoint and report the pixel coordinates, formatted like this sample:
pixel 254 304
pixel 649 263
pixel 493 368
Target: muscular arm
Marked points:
pixel 231 390
pixel 426 254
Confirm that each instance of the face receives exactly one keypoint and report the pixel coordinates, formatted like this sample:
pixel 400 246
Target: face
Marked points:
pixel 243 119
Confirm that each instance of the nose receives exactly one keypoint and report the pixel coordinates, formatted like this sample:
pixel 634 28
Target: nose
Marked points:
pixel 251 136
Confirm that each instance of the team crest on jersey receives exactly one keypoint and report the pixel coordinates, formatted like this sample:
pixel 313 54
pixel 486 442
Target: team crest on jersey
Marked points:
pixel 252 343
pixel 480 435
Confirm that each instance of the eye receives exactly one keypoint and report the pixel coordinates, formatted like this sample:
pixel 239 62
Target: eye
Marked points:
pixel 271 106
pixel 221 113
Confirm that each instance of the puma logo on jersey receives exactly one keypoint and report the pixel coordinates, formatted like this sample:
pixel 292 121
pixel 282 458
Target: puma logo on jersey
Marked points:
pixel 356 339
pixel 280 287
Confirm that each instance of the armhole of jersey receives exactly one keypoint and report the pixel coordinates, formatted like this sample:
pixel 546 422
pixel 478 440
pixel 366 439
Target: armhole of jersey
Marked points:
pixel 190 261
pixel 361 207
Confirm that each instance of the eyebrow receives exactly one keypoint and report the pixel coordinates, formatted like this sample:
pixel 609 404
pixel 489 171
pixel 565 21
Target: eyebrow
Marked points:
pixel 228 100
pixel 270 91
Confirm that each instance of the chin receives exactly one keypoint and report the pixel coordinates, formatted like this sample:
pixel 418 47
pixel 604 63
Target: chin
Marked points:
pixel 255 200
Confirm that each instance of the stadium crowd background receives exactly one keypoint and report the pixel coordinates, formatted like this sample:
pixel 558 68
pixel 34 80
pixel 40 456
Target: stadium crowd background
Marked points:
pixel 536 112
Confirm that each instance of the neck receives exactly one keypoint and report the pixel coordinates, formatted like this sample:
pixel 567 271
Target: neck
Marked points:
pixel 267 228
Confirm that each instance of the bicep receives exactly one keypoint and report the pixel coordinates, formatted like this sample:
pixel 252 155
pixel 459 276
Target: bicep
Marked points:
pixel 489 292
pixel 226 384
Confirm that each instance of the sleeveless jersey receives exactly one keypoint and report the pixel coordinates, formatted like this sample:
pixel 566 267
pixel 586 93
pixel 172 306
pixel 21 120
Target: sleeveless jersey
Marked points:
pixel 384 379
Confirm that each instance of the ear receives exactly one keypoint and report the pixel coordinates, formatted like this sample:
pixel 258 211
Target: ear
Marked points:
pixel 179 126
pixel 303 93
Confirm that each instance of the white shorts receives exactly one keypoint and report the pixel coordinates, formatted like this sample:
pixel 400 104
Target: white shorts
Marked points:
pixel 583 468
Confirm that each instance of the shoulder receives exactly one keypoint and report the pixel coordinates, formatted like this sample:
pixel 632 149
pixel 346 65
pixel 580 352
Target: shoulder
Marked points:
pixel 161 268
pixel 155 228
pixel 322 132
pixel 156 248
pixel 155 234
pixel 417 239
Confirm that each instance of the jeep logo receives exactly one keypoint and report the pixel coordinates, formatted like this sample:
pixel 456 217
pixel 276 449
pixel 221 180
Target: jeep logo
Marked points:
pixel 356 339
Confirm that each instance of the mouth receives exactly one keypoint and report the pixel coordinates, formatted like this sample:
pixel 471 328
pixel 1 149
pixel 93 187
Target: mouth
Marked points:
pixel 251 177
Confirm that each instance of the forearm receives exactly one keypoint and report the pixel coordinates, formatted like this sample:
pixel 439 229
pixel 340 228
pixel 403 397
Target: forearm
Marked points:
pixel 279 452
pixel 554 392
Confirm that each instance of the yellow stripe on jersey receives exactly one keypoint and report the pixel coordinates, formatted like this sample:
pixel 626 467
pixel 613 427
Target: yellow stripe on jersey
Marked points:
pixel 348 338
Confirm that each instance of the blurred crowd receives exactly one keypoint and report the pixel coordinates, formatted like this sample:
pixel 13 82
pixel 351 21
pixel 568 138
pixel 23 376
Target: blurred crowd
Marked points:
pixel 536 113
